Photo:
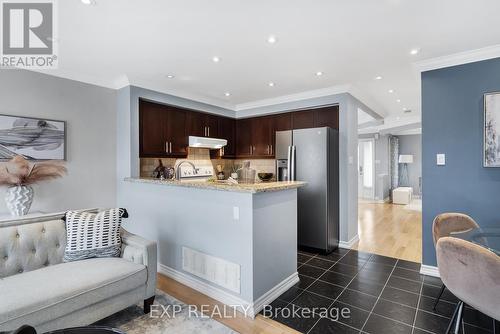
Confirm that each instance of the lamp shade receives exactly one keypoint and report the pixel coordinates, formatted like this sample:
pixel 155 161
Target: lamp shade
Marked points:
pixel 406 158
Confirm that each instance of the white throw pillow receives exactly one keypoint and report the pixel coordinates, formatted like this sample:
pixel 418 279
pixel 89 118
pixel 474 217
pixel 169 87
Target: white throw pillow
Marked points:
pixel 92 235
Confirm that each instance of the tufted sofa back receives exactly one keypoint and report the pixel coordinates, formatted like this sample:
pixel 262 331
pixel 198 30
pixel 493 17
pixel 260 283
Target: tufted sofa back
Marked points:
pixel 30 244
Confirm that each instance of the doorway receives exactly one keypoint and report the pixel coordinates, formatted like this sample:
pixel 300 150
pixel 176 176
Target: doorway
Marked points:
pixel 366 169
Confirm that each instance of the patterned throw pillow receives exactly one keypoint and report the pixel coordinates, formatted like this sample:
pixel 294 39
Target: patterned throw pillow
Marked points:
pixel 93 234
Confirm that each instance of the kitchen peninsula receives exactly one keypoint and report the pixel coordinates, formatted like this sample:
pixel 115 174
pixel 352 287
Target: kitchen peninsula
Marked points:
pixel 234 243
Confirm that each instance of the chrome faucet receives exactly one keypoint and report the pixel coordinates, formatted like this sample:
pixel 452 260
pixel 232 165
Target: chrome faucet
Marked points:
pixel 178 169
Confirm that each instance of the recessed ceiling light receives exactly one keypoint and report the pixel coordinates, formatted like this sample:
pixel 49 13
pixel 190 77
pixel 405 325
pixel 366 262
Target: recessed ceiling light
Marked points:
pixel 215 59
pixel 227 94
pixel 271 84
pixel 378 77
pixel 272 39
pixel 319 73
pixel 88 2
pixel 391 91
pixel 170 76
pixel 398 118
pixel 398 101
pixel 414 51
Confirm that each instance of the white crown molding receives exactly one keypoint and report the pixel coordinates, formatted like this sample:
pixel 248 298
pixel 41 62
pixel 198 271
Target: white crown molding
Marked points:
pixel 350 243
pixel 459 58
pixel 124 81
pixel 183 94
pixel 429 270
pixel 115 83
pixel 293 97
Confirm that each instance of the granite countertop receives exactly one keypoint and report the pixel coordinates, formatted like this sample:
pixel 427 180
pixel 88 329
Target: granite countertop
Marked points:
pixel 257 187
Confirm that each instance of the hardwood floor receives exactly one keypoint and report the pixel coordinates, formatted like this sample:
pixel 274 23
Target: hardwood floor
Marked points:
pixel 390 230
pixel 240 323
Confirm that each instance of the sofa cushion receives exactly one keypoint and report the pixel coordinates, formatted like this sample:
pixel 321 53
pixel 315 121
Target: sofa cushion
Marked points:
pixel 41 295
pixel 92 235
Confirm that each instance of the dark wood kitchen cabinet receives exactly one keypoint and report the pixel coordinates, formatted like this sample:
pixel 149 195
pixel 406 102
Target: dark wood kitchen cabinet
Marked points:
pixel 227 130
pixel 162 130
pixel 327 116
pixel 303 119
pixel 262 138
pixel 202 125
pixel 244 137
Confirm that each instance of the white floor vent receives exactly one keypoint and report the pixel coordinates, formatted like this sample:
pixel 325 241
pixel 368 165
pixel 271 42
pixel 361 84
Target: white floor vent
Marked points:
pixel 213 269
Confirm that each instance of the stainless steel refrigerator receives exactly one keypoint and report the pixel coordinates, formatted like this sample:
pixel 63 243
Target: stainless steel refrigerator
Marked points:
pixel 312 155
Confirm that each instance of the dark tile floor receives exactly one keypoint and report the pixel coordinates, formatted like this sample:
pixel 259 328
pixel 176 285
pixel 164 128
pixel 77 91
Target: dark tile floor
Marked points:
pixel 383 295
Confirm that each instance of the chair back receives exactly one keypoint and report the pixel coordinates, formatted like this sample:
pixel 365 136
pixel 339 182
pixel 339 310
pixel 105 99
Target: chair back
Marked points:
pixel 471 273
pixel 446 223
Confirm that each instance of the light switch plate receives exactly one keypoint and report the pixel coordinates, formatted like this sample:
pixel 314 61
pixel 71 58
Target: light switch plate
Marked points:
pixel 441 159
pixel 236 213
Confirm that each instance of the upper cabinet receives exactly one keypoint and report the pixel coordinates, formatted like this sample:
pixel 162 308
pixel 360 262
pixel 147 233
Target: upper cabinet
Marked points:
pixel 227 130
pixel 162 130
pixel 202 125
pixel 303 119
pixel 327 116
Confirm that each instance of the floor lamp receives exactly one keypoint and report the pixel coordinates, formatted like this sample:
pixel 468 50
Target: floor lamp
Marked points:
pixel 405 159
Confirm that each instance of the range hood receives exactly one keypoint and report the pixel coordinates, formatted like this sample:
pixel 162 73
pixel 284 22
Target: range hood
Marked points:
pixel 204 142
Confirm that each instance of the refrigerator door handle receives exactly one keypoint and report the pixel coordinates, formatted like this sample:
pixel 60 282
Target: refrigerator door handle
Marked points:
pixel 289 162
pixel 292 173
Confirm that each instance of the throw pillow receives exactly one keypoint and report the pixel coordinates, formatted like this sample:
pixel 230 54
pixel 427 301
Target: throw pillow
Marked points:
pixel 92 235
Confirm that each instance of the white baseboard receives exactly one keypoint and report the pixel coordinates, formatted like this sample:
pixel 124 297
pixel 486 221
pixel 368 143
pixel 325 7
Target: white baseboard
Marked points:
pixel 429 270
pixel 350 243
pixel 275 292
pixel 248 308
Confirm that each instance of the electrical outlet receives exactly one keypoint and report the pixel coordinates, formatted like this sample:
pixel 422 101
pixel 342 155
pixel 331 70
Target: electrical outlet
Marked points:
pixel 441 159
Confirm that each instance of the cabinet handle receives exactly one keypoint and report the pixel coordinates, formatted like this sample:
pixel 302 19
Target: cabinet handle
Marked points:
pixel 170 147
pixel 268 150
pixel 166 146
pixel 271 149
pixel 208 128
pixel 251 150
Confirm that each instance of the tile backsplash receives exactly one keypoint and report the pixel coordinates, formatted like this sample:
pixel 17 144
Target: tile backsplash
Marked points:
pixel 260 165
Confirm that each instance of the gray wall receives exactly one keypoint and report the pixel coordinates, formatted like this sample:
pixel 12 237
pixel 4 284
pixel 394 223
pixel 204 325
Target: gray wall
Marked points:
pixel 412 144
pixel 452 123
pixel 91 136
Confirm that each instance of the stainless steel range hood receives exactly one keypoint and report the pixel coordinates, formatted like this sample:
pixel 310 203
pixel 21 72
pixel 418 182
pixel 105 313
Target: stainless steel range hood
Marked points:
pixel 204 142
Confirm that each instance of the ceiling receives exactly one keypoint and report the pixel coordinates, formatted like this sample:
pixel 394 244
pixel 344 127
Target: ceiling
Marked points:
pixel 113 43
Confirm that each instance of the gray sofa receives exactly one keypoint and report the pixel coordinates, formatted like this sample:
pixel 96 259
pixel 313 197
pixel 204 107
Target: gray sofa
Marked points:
pixel 37 289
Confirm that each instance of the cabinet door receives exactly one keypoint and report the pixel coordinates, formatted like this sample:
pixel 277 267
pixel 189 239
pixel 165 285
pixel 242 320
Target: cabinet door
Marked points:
pixel 152 130
pixel 244 137
pixel 328 116
pixel 261 136
pixel 196 124
pixel 303 119
pixel 212 124
pixel 176 133
pixel 281 122
pixel 227 130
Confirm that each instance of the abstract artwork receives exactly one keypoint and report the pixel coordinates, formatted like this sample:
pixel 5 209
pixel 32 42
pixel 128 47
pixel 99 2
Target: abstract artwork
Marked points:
pixel 491 130
pixel 32 138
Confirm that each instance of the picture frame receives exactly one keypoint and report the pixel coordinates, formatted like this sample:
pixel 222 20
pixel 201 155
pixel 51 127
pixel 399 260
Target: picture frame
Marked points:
pixel 31 137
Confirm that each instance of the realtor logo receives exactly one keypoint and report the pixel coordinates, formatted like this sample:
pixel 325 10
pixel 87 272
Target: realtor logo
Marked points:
pixel 28 32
